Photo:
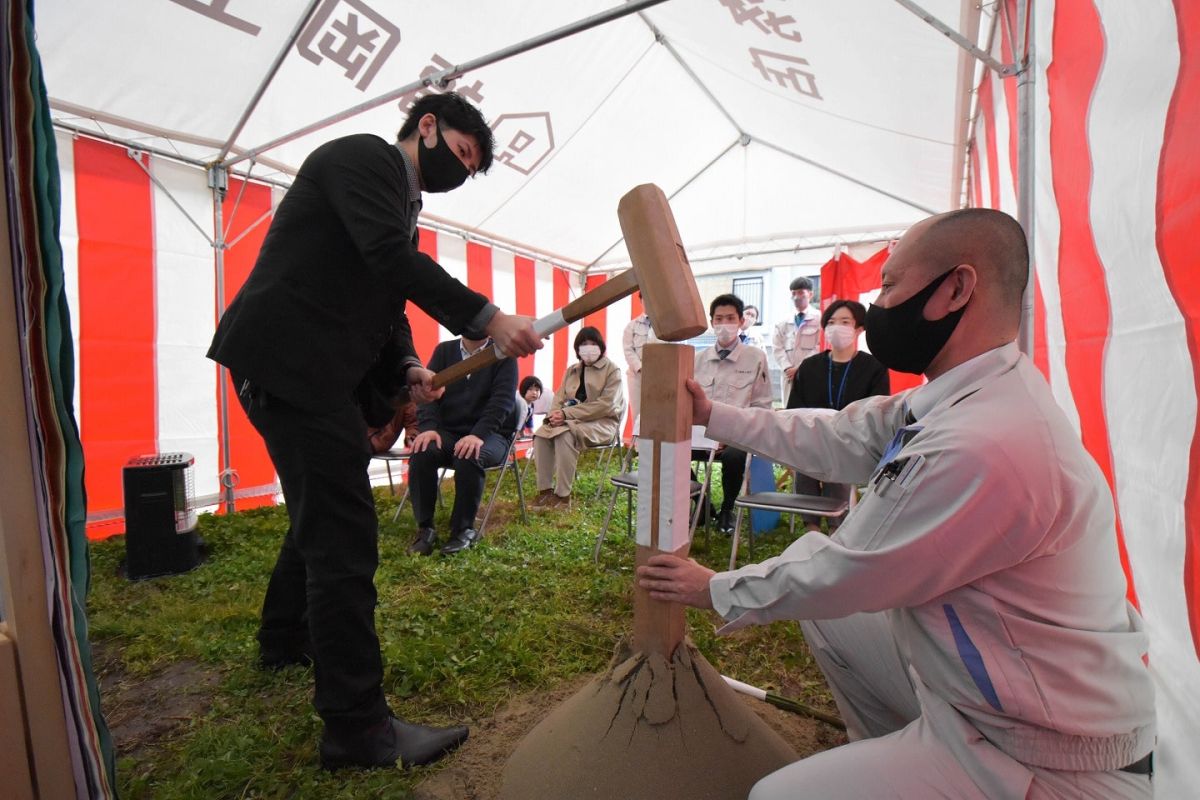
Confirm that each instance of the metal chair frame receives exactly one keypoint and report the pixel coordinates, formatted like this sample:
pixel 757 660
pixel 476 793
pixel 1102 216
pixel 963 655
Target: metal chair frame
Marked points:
pixel 509 463
pixel 628 480
pixel 784 503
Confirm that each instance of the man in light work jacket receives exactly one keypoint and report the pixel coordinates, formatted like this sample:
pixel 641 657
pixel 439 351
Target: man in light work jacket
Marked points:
pixel 970 614
pixel 318 346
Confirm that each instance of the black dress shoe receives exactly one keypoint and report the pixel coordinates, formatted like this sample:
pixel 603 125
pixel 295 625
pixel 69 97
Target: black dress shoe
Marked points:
pixel 389 742
pixel 725 520
pixel 423 542
pixel 460 541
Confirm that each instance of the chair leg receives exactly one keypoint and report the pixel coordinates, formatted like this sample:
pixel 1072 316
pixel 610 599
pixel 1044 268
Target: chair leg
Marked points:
pixel 400 507
pixel 737 532
pixel 520 492
pixel 604 530
pixel 491 502
pixel 603 464
pixel 387 463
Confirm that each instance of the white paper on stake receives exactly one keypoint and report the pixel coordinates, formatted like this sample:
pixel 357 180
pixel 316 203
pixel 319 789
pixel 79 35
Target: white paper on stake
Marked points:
pixel 673 512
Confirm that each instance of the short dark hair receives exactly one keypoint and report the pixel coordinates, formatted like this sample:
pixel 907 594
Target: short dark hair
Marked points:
pixel 455 112
pixel 528 382
pixel 726 300
pixel 856 308
pixel 590 334
pixel 988 238
pixel 800 283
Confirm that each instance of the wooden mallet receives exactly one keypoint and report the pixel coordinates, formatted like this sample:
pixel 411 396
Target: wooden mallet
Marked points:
pixel 660 269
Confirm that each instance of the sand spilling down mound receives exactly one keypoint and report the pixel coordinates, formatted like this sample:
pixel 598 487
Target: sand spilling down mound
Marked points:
pixel 647 728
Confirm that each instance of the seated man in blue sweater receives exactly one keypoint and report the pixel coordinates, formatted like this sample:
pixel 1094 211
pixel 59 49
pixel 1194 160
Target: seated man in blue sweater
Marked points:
pixel 468 429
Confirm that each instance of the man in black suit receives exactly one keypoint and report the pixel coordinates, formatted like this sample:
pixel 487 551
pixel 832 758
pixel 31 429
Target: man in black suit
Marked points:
pixel 318 346
pixel 469 428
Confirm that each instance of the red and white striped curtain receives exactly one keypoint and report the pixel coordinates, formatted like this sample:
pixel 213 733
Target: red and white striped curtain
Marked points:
pixel 1117 305
pixel 142 288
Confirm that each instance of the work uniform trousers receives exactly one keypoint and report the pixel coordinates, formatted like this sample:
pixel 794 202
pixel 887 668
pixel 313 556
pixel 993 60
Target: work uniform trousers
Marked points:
pixel 906 743
pixel 322 589
pixel 556 459
pixel 468 479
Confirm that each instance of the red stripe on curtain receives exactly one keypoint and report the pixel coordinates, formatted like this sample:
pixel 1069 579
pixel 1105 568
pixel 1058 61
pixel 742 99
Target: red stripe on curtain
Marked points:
pixel 562 342
pixel 1070 80
pixel 117 410
pixel 247 452
pixel 1178 238
pixel 479 268
pixel 425 331
pixel 524 277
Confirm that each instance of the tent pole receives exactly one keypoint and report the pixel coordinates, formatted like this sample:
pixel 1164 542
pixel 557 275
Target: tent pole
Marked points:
pixel 442 77
pixel 218 177
pixel 1025 161
pixel 266 81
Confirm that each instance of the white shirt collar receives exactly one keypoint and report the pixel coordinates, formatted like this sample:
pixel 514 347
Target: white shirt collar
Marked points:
pixel 952 383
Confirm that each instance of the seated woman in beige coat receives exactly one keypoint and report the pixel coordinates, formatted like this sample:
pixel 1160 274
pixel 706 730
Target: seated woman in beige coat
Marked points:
pixel 586 410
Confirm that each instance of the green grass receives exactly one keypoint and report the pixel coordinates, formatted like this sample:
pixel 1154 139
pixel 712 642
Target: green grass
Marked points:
pixel 526 610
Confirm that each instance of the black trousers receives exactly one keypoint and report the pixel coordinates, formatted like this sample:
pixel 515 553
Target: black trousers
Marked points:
pixel 322 589
pixel 733 472
pixel 468 479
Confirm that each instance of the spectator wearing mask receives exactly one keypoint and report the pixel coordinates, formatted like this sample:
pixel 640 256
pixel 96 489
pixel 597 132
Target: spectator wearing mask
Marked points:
pixel 750 332
pixel 586 410
pixel 797 338
pixel 736 373
pixel 834 379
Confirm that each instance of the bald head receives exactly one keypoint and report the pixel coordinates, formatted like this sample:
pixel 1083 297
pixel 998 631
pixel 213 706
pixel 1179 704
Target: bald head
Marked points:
pixel 992 242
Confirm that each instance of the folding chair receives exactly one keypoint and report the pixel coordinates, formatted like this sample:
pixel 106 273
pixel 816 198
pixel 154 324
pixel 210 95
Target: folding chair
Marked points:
pixel 784 503
pixel 607 449
pixel 403 455
pixel 508 464
pixel 627 480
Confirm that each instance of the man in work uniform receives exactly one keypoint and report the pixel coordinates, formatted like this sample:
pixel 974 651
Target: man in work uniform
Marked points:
pixel 971 614
pixel 795 339
pixel 318 346
pixel 734 373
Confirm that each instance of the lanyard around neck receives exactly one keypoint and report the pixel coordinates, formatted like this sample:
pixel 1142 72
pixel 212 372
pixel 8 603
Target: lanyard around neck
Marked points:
pixel 836 406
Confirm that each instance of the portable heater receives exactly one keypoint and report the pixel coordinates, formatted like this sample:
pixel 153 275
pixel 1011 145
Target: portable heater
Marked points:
pixel 160 521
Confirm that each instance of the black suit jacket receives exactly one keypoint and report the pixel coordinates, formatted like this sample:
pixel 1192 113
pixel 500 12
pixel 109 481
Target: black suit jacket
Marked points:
pixel 480 404
pixel 325 301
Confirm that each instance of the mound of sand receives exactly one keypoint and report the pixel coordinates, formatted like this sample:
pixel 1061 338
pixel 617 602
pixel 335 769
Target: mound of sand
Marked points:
pixel 647 728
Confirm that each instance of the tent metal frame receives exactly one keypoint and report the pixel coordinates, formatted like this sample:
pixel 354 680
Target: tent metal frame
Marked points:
pixel 219 169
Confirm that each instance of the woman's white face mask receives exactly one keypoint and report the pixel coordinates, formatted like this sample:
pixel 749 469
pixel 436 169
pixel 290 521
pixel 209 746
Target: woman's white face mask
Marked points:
pixel 589 353
pixel 840 336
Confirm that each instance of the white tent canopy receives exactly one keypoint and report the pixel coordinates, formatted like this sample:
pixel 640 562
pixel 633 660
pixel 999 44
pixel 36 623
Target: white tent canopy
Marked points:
pixel 773 124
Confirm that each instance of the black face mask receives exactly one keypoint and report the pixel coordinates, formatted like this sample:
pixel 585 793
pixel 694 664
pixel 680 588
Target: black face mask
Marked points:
pixel 441 169
pixel 900 336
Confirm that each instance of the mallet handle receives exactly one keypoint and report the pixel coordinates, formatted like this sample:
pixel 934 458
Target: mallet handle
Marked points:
pixel 620 285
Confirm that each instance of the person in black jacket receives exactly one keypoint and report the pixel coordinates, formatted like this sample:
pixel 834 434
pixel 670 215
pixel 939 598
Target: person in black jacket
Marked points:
pixel 318 346
pixel 469 428
pixel 834 379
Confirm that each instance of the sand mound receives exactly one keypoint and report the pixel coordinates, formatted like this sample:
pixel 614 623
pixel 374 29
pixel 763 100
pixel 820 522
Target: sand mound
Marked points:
pixel 650 729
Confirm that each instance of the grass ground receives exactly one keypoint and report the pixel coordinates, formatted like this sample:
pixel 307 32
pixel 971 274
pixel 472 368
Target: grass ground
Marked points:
pixel 526 612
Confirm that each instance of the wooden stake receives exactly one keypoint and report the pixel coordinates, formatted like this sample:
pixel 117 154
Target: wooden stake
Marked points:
pixel 664 444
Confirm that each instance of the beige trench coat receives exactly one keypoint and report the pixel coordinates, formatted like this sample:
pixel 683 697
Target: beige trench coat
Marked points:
pixel 595 420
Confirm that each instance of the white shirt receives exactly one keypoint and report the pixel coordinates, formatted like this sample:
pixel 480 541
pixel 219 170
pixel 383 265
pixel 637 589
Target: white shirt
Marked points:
pixel 740 379
pixel 990 540
pixel 792 343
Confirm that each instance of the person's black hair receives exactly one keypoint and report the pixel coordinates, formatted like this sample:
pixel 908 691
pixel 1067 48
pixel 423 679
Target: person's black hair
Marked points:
pixel 726 300
pixel 800 283
pixel 856 308
pixel 528 382
pixel 590 334
pixel 456 112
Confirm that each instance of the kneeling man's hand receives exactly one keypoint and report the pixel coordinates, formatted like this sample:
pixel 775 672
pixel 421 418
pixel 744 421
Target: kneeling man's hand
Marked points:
pixel 676 580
